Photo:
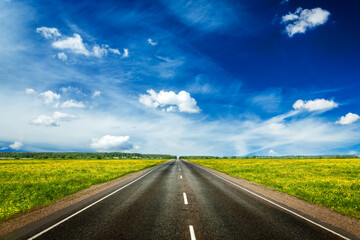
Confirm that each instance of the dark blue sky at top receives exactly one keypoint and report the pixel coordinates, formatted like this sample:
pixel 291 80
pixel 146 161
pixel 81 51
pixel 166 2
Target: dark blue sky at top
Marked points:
pixel 252 51
pixel 233 57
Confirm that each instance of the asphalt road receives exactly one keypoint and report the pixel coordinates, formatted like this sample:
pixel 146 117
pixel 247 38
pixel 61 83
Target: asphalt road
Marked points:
pixel 177 200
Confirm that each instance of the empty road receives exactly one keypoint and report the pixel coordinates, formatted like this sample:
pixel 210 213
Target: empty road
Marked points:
pixel 177 200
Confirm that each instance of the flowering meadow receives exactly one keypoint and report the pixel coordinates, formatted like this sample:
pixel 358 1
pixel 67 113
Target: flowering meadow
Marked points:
pixel 25 184
pixel 333 183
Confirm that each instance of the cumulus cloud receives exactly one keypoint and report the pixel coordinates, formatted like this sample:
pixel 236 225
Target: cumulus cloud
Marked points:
pixel 16 145
pixel 181 102
pixel 48 33
pixel 50 97
pixel 30 91
pixel 303 19
pixel 62 56
pixel 126 53
pixel 348 119
pixel 54 121
pixel 315 105
pixel 74 44
pixel 72 104
pixel 111 143
pixel 151 42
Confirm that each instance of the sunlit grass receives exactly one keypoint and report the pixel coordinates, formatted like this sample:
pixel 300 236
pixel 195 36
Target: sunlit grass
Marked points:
pixel 333 183
pixel 25 184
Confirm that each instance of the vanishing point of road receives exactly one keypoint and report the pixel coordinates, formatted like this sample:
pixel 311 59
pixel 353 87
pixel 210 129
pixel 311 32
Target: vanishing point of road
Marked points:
pixel 176 200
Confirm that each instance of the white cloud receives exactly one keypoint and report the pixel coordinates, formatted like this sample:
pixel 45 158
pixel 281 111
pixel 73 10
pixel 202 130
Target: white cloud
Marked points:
pixel 49 97
pixel 111 143
pixel 74 44
pixel 272 153
pixel 182 101
pixel 126 53
pixel 151 42
pixel 153 129
pixel 348 119
pixel 114 50
pixel 62 56
pixel 315 105
pixel 54 121
pixel 44 120
pixel 171 109
pixel 303 19
pixel 96 93
pixel 70 89
pixel 16 145
pixel 48 33
pixel 30 91
pixel 99 51
pixel 63 116
pixel 72 104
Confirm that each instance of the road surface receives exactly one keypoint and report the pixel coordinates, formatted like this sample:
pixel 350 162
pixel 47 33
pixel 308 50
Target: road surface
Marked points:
pixel 177 200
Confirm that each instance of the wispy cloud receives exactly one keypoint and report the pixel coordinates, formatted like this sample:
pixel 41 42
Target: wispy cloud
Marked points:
pixel 206 15
pixel 152 42
pixel 72 104
pixel 30 91
pixel 96 93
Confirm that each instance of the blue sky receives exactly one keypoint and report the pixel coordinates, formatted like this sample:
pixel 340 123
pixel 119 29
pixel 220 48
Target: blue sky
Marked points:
pixel 180 77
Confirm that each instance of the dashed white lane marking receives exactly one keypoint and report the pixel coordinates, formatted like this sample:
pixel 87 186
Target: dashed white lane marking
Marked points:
pixel 185 199
pixel 273 203
pixel 180 176
pixel 192 232
pixel 83 209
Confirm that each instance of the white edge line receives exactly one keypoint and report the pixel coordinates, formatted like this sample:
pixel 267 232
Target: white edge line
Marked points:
pixel 279 206
pixel 83 209
pixel 192 232
pixel 185 199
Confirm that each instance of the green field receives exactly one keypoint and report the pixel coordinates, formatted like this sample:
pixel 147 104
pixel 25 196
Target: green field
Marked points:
pixel 25 184
pixel 333 183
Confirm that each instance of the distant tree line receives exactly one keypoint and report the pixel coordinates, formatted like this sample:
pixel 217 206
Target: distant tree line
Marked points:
pixel 274 157
pixel 82 155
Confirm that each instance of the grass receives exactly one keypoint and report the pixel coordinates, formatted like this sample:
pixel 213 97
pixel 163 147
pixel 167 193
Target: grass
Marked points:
pixel 25 184
pixel 333 183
